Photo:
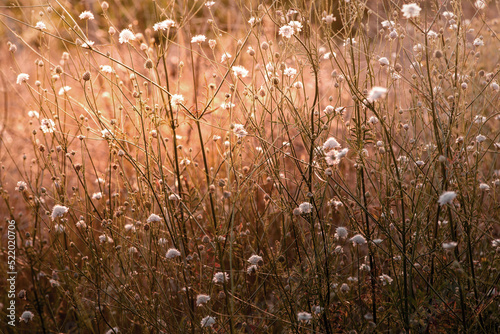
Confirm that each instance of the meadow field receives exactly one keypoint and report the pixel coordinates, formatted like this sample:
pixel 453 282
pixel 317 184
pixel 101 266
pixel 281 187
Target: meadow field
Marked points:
pixel 249 167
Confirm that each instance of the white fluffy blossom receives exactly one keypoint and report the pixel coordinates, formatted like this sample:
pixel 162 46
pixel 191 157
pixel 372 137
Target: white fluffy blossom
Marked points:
pixel 40 25
pixel 164 25
pixel 385 279
pixel 22 77
pixel 304 316
pixel 239 130
pixel 177 99
pixel 58 211
pixel 172 253
pixel 47 125
pixel 341 232
pixel 330 144
pixel 447 197
pixel 411 10
pixel 376 93
pixel 198 39
pixel 449 245
pixel 358 239
pixel 202 299
pixel 153 218
pixel 27 316
pixel 126 36
pixel 305 207
pixel 255 259
pixel 220 277
pixel 208 321
pixel 239 71
pixel 86 15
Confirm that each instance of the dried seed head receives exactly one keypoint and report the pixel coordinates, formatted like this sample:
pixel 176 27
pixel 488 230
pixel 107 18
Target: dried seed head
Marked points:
pixel 86 76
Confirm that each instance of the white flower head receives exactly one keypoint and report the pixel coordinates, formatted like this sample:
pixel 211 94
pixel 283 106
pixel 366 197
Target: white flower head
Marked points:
pixel 64 90
pixel 240 71
pixel 220 277
pixel 239 130
pixel 22 77
pixel 86 15
pixel 411 10
pixel 447 197
pixel 376 93
pixel 383 61
pixel 164 25
pixel 198 39
pixel 358 239
pixel 153 218
pixel 177 99
pixel 449 245
pixel 387 24
pixel 27 316
pixel 255 259
pixel 172 253
pixel 202 299
pixel 480 4
pixel 106 134
pixel 225 56
pixel 126 36
pixel 47 125
pixel 97 196
pixel 304 316
pixel 341 232
pixel 40 25
pixel 305 207
pixel 208 321
pixel 58 211
pixel 286 31
pixel 290 72
pixel 330 144
pixel 33 114
pixel 107 69
pixel 385 279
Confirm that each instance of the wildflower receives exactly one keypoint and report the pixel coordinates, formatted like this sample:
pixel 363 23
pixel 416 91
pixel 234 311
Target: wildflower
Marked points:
pixel 47 125
pixel 349 41
pixel 305 207
pixel 252 269
pixel 480 4
pixel 172 252
pixel 174 197
pixel 286 31
pixel 387 24
pixel 58 228
pixel 22 77
pixel 341 232
pixel 373 120
pixel 81 224
pixel 162 241
pixel 209 4
pixel 129 227
pixel 225 57
pixel 198 39
pixel 385 279
pixel 106 134
pixel 329 19
pixel 330 143
pixel 304 316
pixel 27 316
pixel 64 90
pixel 202 299
pixel 344 288
pixel 296 26
pixel 484 187
pixel 495 243
pixel 447 197
pixel 411 10
pixel 126 36
pixel 212 43
pixel 97 196
pixel 449 245
pixel 290 72
pixel 104 238
pixel 255 259
pixel 21 186
pixel 86 15
pixel 177 99
pixel 153 218
pixel 220 277
pixel 239 130
pixel 252 21
pixel 298 85
pixel 376 93
pixel 33 114
pixel 239 71
pixel 40 25
pixel 107 69
pixel 164 25
pixel 317 309
pixel 480 138
pixel 208 321
pixel 358 239
pixel 227 105
pixel 432 34
pixel 58 211
pixel 383 61
pixel 333 157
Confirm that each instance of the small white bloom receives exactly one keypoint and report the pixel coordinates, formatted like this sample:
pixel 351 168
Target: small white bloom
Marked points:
pixel 33 114
pixel 239 130
pixel 341 232
pixel 484 187
pixel 126 36
pixel 330 143
pixel 209 4
pixel 358 239
pixel 290 72
pixel 174 197
pixel 208 321
pixel 58 211
pixel 164 25
pixel 478 42
pixel 153 218
pixel 129 228
pixel 107 69
pixel 411 10
pixel 172 253
pixel 64 90
pixel 225 56
pixel 255 259
pixel 86 15
pixel 304 316
pixel 27 316
pixel 198 39
pixel 480 138
pixel 239 71
pixel 449 245
pixel 305 207
pixel 177 99
pixel 385 279
pixel 344 288
pixel 376 93
pixel 480 4
pixel 97 196
pixel 383 61
pixel 227 105
pixel 40 25
pixel 286 31
pixel 387 24
pixel 22 77
pixel 21 186
pixel 220 277
pixel 47 125
pixel 447 197
pixel 202 299
pixel 58 228
pixel 495 243
pixel 106 134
